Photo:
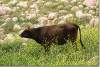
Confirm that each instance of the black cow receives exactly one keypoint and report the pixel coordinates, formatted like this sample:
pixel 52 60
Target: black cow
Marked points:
pixel 59 34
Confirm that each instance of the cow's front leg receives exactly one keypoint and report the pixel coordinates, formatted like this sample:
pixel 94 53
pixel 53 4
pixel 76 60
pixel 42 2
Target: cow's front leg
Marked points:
pixel 46 47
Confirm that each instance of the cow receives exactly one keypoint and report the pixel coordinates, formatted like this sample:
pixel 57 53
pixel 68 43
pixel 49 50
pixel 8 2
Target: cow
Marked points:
pixel 48 35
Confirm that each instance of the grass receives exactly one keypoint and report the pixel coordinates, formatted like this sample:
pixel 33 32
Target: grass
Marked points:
pixel 31 53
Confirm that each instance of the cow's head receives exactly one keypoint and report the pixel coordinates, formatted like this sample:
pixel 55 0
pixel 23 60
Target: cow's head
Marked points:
pixel 26 33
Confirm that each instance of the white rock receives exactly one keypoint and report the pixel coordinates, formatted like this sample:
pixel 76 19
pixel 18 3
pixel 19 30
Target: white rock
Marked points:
pixel 61 22
pixel 52 15
pixel 34 6
pixel 48 3
pixel 80 6
pixel 65 1
pixel 74 8
pixel 69 16
pixel 79 14
pixel 94 22
pixel 89 3
pixel 91 12
pixel 16 27
pixel 73 1
pixel 13 2
pixel 30 16
pixel 15 19
pixel 22 4
pixel 9 37
pixel 4 10
pixel 43 20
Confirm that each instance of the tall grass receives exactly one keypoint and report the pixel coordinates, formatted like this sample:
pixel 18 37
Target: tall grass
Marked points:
pixel 32 53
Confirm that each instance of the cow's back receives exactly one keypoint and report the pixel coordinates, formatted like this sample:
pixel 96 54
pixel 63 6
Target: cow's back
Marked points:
pixel 57 33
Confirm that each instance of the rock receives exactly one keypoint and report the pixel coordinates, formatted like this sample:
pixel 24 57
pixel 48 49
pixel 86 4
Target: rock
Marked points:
pixel 43 20
pixel 4 10
pixel 89 3
pixel 79 14
pixel 74 8
pixel 16 27
pixel 52 15
pixel 15 19
pixel 22 4
pixel 94 22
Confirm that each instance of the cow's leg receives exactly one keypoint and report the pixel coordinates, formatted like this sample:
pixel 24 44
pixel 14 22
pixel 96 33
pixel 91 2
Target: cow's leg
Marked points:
pixel 74 44
pixel 61 40
pixel 46 47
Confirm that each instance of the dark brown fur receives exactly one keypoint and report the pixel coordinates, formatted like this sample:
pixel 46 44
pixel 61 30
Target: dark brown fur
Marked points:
pixel 53 34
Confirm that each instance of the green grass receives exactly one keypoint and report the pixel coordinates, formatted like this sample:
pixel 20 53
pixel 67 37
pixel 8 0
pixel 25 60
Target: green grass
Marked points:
pixel 32 53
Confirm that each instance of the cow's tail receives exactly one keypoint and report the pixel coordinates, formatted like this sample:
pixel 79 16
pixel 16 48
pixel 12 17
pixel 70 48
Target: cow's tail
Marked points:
pixel 81 38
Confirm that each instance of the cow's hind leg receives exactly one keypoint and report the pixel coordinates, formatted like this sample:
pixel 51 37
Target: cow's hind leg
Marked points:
pixel 74 44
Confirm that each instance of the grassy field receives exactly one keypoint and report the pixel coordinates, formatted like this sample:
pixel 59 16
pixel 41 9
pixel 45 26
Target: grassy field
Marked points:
pixel 16 15
pixel 15 51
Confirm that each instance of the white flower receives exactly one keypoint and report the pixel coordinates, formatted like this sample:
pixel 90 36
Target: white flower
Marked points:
pixel 79 14
pixel 14 19
pixel 22 4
